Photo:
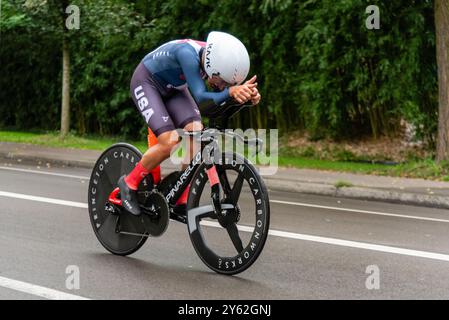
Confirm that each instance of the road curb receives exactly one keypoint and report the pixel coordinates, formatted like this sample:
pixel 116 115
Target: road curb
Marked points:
pixel 363 193
pixel 21 158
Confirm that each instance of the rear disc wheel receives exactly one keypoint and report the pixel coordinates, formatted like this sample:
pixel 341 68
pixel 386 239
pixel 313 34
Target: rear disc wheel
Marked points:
pixel 119 232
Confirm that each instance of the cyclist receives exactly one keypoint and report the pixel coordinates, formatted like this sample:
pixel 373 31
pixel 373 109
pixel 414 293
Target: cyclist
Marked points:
pixel 160 89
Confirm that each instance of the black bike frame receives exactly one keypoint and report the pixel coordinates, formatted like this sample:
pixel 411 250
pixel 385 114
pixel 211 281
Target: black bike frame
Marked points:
pixel 208 148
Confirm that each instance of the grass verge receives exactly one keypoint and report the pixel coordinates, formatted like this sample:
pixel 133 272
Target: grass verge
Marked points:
pixel 425 168
pixel 52 139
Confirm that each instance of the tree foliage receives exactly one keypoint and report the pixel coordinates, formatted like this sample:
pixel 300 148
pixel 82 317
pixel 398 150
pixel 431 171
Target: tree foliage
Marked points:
pixel 319 69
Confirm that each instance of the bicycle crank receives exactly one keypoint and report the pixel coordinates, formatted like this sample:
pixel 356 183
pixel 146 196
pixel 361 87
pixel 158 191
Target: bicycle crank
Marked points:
pixel 155 213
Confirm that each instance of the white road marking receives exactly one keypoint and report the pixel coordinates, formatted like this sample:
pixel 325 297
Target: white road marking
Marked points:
pixel 277 233
pixel 359 211
pixel 37 290
pixel 272 201
pixel 43 199
pixel 45 172
pixel 343 243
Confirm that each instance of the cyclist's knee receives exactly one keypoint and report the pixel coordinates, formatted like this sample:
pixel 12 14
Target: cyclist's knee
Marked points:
pixel 167 141
pixel 194 126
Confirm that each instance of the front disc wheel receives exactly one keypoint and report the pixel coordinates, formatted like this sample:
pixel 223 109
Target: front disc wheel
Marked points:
pixel 230 241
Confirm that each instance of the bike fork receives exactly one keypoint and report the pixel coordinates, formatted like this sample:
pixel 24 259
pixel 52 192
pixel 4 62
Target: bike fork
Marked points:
pixel 215 187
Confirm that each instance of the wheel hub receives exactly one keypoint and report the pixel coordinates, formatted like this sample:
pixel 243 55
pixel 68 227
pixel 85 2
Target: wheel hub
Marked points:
pixel 229 216
pixel 111 209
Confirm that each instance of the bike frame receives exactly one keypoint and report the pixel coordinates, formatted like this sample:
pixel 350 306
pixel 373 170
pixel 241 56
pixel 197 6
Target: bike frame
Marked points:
pixel 208 148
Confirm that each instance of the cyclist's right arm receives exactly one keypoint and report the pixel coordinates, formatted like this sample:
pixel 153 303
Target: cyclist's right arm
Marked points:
pixel 190 65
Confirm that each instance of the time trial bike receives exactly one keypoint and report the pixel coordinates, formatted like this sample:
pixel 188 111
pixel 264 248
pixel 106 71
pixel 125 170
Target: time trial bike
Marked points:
pixel 228 210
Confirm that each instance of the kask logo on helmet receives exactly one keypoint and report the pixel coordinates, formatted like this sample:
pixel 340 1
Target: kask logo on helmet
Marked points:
pixel 208 51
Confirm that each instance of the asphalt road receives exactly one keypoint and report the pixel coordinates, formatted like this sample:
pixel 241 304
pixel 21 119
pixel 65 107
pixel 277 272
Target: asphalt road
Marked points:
pixel 319 248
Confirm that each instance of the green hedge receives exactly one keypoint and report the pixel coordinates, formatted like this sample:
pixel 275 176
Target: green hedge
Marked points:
pixel 319 68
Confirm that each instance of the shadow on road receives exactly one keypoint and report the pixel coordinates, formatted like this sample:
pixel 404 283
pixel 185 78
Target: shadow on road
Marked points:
pixel 150 273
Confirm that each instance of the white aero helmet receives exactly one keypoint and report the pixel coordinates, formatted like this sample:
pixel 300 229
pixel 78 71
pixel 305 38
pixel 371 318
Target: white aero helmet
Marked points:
pixel 226 56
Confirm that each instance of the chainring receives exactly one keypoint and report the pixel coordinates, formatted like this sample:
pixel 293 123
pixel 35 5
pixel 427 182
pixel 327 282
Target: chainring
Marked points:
pixel 156 223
